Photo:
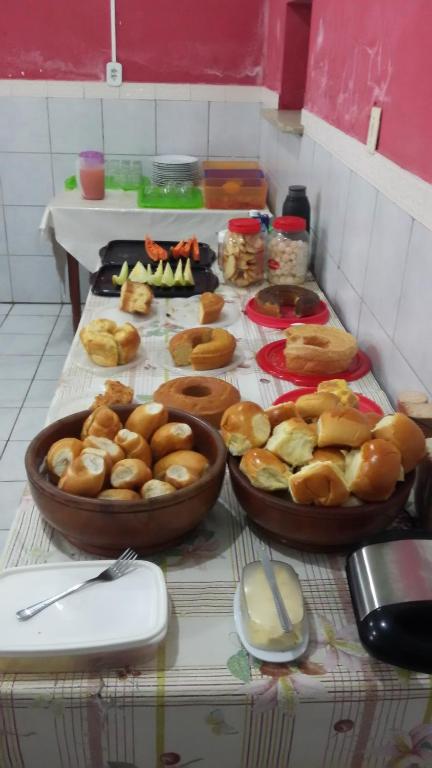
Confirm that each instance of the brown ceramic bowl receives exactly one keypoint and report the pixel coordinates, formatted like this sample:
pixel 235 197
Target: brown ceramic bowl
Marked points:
pixel 310 528
pixel 106 527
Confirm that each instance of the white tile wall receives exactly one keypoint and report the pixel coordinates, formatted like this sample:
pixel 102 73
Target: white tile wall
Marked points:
pixel 75 124
pixel 34 278
pixel 234 129
pixel 357 230
pixel 24 125
pixel 26 178
pixel 182 127
pixel 22 228
pixel 129 127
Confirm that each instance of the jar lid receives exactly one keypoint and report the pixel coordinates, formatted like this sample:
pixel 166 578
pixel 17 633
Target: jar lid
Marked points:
pixel 289 224
pixel 245 226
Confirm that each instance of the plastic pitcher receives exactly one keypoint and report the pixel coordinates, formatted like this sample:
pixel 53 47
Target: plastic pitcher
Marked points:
pixel 91 175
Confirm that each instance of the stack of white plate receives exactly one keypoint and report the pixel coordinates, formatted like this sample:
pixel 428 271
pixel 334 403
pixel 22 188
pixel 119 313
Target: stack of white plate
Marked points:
pixel 175 169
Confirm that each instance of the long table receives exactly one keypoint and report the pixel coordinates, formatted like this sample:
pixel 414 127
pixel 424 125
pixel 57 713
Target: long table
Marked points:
pixel 203 700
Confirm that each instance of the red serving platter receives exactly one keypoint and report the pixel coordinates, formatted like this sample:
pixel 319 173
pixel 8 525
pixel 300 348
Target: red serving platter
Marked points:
pixel 365 404
pixel 271 359
pixel 288 317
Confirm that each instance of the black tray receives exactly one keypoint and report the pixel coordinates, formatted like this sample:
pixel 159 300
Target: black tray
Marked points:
pixel 118 251
pixel 205 280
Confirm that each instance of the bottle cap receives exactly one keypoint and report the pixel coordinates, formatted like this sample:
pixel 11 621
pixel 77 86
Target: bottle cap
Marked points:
pixel 296 190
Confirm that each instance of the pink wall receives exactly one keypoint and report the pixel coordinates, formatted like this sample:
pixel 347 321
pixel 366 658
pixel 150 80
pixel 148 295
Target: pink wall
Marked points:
pixel 286 50
pixel 193 41
pixel 375 52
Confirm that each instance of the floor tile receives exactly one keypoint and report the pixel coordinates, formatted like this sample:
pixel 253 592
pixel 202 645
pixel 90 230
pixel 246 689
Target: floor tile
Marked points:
pixel 28 324
pixel 22 344
pixel 12 461
pixel 4 308
pixel 29 423
pixel 66 310
pixel 50 367
pixel 10 497
pixel 62 337
pixel 41 393
pixel 34 309
pixel 7 420
pixel 2 445
pixel 18 366
pixel 13 392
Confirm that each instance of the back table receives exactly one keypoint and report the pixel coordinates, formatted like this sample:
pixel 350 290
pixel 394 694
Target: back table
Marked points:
pixel 203 701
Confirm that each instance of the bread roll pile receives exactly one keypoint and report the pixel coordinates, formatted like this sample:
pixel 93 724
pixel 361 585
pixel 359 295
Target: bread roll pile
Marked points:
pixel 321 449
pixel 144 458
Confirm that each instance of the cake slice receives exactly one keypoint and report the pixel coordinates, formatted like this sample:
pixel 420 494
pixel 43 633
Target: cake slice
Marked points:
pixel 211 305
pixel 135 297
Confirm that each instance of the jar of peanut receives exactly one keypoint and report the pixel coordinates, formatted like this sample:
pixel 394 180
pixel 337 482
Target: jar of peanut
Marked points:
pixel 288 251
pixel 242 253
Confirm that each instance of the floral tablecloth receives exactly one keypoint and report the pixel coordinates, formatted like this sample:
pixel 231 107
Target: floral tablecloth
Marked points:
pixel 203 701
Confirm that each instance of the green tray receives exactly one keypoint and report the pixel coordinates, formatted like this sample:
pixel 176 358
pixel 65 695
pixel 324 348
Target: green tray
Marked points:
pixel 154 197
pixel 71 183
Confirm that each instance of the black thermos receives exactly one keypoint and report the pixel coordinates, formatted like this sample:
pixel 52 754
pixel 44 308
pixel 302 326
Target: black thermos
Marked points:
pixel 297 204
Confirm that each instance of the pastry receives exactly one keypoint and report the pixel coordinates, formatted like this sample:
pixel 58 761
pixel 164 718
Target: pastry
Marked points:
pixel 147 418
pixel 343 426
pixel 130 473
pixel 321 483
pixel 281 412
pixel 271 301
pixel 406 435
pixel 311 406
pixel 61 453
pixel 180 477
pixel 317 349
pixel 135 446
pixel 110 447
pixel 91 450
pixel 292 441
pixel 115 393
pixel 85 476
pixel 372 418
pixel 203 396
pixel 264 470
pixel 244 426
pixel 340 388
pixel 153 488
pixel 202 348
pixel 108 344
pixel 211 305
pixel 173 436
pixel 102 422
pixel 373 471
pixel 330 454
pixel 135 297
pixel 193 461
pixel 119 494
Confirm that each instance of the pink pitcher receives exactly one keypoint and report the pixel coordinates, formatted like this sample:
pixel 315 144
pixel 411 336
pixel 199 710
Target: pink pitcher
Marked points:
pixel 91 175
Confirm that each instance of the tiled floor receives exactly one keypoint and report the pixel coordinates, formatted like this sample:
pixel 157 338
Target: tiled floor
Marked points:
pixel 34 342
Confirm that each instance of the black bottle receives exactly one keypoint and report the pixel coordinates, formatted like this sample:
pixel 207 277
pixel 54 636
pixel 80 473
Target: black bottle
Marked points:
pixel 297 204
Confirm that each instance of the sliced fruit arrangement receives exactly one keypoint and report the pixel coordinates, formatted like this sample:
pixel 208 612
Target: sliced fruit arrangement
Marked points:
pixel 186 248
pixel 155 251
pixel 122 275
pixel 163 277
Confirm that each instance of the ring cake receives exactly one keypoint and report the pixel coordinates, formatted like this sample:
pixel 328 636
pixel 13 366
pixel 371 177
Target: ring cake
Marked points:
pixel 203 396
pixel 271 300
pixel 202 348
pixel 317 349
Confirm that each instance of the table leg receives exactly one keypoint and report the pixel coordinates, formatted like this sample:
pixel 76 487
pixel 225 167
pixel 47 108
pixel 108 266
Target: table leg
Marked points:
pixel 74 289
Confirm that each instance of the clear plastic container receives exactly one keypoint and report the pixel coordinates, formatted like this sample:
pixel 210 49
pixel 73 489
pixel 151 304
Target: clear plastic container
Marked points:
pixel 242 252
pixel 288 251
pixel 235 192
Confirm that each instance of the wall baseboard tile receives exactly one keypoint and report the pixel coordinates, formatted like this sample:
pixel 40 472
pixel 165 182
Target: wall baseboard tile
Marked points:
pixel 410 192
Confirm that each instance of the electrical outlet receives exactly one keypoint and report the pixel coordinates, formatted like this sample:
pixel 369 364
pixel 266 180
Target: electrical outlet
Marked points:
pixel 374 126
pixel 114 73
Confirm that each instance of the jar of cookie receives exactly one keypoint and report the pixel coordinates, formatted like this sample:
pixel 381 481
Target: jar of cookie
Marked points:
pixel 288 251
pixel 242 253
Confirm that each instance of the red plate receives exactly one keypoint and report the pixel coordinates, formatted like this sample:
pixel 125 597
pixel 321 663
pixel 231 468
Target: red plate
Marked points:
pixel 288 317
pixel 365 405
pixel 271 359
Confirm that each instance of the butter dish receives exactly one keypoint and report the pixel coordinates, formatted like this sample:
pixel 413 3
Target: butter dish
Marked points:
pixel 257 618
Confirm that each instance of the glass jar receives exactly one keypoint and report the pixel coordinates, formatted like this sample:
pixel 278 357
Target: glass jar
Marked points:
pixel 288 251
pixel 242 252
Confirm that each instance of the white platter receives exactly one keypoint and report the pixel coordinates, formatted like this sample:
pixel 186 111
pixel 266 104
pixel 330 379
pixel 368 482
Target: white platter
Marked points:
pixel 185 314
pixel 164 360
pixel 84 362
pixel 120 317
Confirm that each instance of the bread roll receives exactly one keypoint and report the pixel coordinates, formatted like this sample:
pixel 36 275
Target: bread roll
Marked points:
pixel 340 388
pixel 100 347
pixel 130 473
pixel 99 452
pixel 61 453
pixel 102 422
pixel 104 444
pixel 321 483
pixel 154 488
pixel 281 412
pixel 174 436
pixel 193 461
pixel 372 418
pixel 119 494
pixel 134 445
pixel 292 441
pixel 330 454
pixel 264 470
pixel 179 477
pixel 84 476
pixel 313 405
pixel 146 419
pixel 406 435
pixel 373 471
pixel 243 426
pixel 128 340
pixel 342 426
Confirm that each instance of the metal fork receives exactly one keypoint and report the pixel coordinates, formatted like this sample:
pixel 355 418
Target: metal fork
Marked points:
pixel 121 566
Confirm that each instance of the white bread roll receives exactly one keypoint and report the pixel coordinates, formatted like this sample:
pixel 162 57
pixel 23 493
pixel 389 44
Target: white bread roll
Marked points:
pixel 373 471
pixel 193 461
pixel 313 405
pixel 281 412
pixel 99 452
pixel 179 477
pixel 61 453
pixel 244 425
pixel 154 488
pixel 135 446
pixel 406 435
pixel 104 444
pixel 174 436
pixel 342 426
pixel 130 473
pixel 340 388
pixel 264 470
pixel 292 441
pixel 147 418
pixel 335 455
pixel 84 476
pixel 119 494
pixel 321 483
pixel 372 418
pixel 102 422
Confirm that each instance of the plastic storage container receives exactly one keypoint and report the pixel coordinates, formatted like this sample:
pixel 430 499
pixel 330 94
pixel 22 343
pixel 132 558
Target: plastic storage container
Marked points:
pixel 229 164
pixel 288 251
pixel 297 204
pixel 242 252
pixel 241 189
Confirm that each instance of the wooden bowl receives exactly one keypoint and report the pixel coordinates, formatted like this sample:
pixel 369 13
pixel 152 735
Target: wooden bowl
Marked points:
pixel 310 528
pixel 106 527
